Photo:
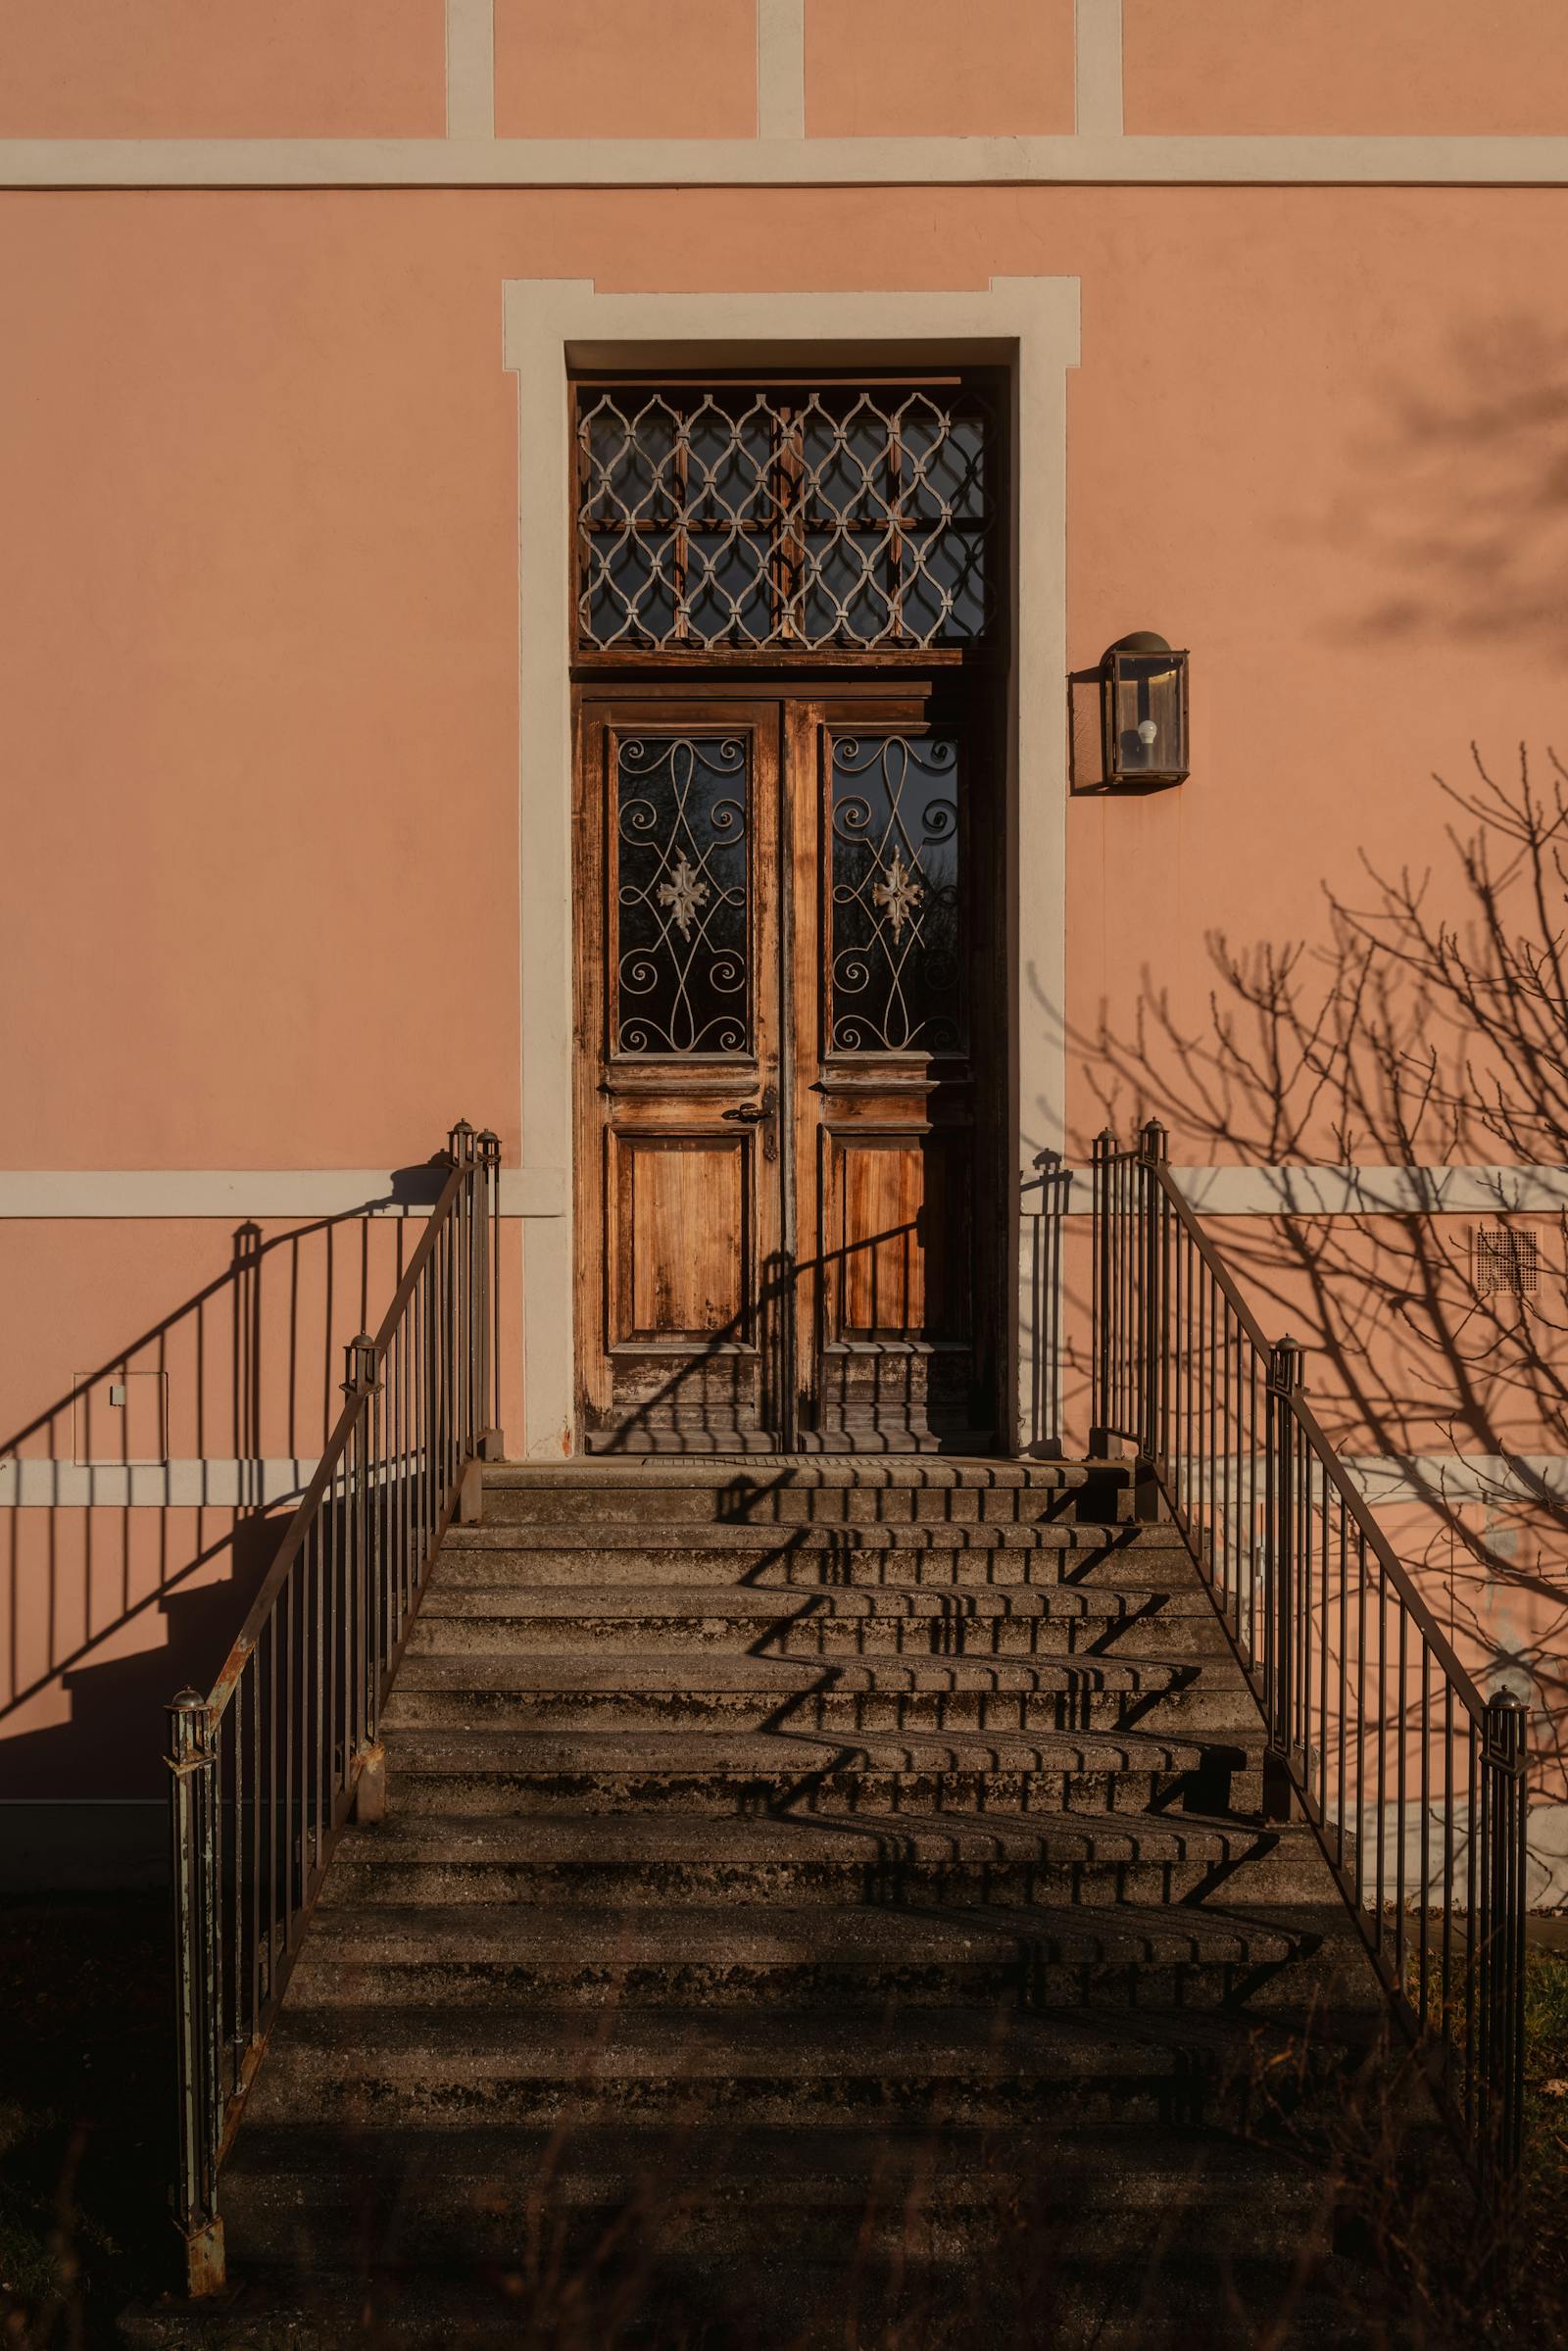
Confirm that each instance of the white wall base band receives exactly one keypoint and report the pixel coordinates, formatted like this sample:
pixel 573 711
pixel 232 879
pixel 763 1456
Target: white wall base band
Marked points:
pixel 215 1482
pixel 48 1194
pixel 1095 159
pixel 223 1482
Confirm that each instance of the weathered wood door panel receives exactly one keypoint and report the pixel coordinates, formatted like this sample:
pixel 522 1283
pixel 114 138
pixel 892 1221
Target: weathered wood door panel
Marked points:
pixel 678 1004
pixel 788 1219
pixel 897 1229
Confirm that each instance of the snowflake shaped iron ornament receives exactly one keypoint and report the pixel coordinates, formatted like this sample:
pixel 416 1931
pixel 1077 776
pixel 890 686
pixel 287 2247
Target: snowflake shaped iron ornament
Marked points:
pixel 683 893
pixel 899 893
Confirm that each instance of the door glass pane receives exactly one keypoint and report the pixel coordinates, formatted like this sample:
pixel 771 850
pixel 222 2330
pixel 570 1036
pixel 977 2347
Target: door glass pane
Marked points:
pixel 896 984
pixel 682 825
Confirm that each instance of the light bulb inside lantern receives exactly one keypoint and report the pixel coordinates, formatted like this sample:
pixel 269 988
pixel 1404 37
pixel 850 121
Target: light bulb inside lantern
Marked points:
pixel 1146 732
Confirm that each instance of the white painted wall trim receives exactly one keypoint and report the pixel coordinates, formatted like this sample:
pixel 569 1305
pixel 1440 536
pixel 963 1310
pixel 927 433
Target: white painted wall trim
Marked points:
pixel 781 68
pixel 1337 1190
pixel 60 1195
pixel 1098 157
pixel 470 69
pixel 1458 1477
pixel 217 1482
pixel 1096 51
pixel 48 1195
pixel 1030 323
pixel 1374 1191
pixel 221 1483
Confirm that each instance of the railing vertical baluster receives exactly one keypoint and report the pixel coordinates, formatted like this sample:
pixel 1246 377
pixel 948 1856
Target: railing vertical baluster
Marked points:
pixel 1100 1412
pixel 1283 1377
pixel 1424 1887
pixel 1504 1812
pixel 1360 1724
pixel 1153 1337
pixel 192 1820
pixel 1475 1934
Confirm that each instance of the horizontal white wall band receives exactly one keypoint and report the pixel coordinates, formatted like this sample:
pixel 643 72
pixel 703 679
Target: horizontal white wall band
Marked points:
pixel 215 1482
pixel 1098 157
pixel 48 1195
pixel 51 1194
pixel 223 1482
pixel 1329 1191
pixel 1373 1190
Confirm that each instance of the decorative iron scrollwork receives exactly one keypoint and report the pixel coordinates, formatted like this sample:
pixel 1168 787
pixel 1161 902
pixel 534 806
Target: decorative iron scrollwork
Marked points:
pixel 682 822
pixel 834 516
pixel 897 974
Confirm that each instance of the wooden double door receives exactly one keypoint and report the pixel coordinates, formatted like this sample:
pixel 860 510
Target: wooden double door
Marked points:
pixel 790 1062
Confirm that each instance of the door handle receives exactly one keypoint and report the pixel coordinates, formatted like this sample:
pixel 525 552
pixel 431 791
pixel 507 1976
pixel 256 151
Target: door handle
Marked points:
pixel 760 1115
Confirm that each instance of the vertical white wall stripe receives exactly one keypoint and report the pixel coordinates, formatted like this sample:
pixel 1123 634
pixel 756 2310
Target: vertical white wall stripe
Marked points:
pixel 1097 25
pixel 470 69
pixel 781 68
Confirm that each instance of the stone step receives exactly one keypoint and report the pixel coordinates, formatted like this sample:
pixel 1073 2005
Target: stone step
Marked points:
pixel 866 1958
pixel 660 1856
pixel 757 1693
pixel 667 2293
pixel 854 1472
pixel 627 1501
pixel 346 2194
pixel 649 1551
pixel 1019 1620
pixel 722 1772
pixel 429 2069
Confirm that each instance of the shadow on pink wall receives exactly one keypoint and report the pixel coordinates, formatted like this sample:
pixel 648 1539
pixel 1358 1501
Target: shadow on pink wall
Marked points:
pixel 124 1577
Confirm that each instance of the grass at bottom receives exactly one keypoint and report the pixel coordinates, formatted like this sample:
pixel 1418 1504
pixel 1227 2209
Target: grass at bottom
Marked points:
pixel 86 2114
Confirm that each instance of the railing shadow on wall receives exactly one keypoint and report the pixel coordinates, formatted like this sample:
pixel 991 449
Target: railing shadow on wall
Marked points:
pixel 122 1574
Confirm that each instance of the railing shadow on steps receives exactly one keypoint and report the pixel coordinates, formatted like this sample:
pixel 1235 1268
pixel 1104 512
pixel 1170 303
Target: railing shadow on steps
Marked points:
pixel 1413 1779
pixel 268 1768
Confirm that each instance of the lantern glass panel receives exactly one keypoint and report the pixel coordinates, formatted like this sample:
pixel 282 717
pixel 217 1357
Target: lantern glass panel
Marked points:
pixel 1148 736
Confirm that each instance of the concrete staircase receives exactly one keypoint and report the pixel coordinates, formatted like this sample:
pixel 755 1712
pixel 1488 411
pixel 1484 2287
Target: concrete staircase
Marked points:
pixel 821 1904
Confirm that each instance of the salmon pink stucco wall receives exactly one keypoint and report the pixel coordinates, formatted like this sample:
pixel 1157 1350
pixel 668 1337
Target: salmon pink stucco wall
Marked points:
pixel 623 69
pixel 258 631
pixel 259 675
pixel 1239 67
pixel 211 68
pixel 905 68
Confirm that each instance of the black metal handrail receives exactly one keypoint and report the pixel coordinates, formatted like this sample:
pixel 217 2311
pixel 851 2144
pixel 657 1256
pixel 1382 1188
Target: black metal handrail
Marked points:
pixel 267 1768
pixel 1414 1782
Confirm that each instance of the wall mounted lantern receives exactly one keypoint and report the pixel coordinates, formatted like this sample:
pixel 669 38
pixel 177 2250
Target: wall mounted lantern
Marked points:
pixel 1143 698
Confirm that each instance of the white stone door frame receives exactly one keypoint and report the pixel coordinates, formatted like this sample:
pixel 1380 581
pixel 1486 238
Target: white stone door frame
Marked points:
pixel 1029 325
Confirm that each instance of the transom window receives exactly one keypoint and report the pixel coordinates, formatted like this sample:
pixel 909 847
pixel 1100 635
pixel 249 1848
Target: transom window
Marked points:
pixel 815 516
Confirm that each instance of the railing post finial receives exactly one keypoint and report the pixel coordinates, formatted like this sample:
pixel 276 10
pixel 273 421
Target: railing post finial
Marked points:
pixel 358 1365
pixel 460 1145
pixel 1287 1359
pixel 1154 1141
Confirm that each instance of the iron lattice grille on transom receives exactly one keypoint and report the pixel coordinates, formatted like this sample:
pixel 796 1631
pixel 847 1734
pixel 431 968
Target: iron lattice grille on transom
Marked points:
pixel 838 517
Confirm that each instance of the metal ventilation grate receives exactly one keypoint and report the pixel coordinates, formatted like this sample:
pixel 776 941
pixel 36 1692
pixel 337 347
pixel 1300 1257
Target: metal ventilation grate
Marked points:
pixel 736 515
pixel 1505 1260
